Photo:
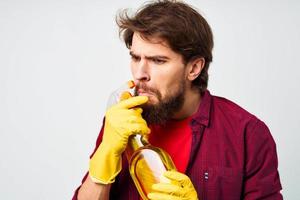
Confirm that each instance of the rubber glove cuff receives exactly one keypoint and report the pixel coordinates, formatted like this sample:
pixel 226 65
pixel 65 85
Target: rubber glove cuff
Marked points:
pixel 110 167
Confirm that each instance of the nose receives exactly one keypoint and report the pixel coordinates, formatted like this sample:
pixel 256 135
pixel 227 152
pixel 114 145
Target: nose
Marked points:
pixel 140 71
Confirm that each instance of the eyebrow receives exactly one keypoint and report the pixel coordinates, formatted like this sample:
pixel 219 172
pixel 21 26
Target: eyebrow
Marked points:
pixel 150 57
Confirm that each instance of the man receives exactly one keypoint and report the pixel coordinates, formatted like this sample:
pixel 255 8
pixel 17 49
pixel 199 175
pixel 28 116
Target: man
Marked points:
pixel 220 150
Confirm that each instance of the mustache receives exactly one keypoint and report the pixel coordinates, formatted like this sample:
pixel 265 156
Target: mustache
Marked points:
pixel 145 88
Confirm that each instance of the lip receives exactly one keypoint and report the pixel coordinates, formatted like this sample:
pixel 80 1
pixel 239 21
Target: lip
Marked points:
pixel 143 93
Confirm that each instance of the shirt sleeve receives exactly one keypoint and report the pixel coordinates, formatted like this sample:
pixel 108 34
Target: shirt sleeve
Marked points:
pixel 261 176
pixel 99 139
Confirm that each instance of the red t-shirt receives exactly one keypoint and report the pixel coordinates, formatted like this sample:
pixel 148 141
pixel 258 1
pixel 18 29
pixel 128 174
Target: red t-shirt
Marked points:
pixel 175 138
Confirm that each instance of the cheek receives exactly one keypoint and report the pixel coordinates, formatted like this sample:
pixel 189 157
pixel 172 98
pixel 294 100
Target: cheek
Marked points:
pixel 170 83
pixel 132 68
pixel 160 81
pixel 152 100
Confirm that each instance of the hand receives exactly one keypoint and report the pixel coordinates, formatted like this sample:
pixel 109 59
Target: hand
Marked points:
pixel 121 121
pixel 179 188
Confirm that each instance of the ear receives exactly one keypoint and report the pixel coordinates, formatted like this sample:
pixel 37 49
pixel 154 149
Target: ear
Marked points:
pixel 194 68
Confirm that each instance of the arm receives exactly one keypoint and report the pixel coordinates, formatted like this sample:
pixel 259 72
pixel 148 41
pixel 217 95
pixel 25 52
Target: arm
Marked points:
pixel 121 121
pixel 93 191
pixel 261 174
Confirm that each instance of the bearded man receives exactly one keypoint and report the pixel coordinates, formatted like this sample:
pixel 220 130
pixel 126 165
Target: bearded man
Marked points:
pixel 220 150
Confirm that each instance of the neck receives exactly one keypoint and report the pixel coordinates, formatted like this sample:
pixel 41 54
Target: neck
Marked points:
pixel 190 105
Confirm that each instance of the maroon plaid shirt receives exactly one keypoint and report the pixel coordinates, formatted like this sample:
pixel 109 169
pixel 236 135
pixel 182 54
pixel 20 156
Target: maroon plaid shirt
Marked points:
pixel 233 156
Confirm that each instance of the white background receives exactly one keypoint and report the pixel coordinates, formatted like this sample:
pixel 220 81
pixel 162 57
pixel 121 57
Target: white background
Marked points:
pixel 60 59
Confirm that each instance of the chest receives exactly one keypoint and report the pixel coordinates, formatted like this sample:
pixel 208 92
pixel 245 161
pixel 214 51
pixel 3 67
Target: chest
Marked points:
pixel 214 164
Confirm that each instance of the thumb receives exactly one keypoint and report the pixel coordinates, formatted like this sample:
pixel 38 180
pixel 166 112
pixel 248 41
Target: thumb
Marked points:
pixel 125 95
pixel 177 176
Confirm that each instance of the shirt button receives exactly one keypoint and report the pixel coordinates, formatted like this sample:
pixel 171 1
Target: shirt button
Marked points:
pixel 206 175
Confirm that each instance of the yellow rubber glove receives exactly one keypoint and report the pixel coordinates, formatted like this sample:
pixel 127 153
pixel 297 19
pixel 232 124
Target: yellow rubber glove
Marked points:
pixel 179 187
pixel 121 121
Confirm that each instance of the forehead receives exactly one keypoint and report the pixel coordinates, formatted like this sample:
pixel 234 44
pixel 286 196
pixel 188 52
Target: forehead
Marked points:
pixel 151 46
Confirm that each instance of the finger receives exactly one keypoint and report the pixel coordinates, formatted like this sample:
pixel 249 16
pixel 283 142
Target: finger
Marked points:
pixel 132 102
pixel 125 116
pixel 168 188
pixel 136 119
pixel 146 136
pixel 139 128
pixel 177 176
pixel 162 196
pixel 138 110
pixel 125 95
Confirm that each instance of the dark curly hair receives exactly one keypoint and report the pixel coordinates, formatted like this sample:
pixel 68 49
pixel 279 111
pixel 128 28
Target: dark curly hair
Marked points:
pixel 180 25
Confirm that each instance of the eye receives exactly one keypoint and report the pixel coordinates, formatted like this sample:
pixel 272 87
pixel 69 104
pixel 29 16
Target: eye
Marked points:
pixel 158 61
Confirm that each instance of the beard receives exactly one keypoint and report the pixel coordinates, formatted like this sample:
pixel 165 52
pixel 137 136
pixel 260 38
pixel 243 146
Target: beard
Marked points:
pixel 162 111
